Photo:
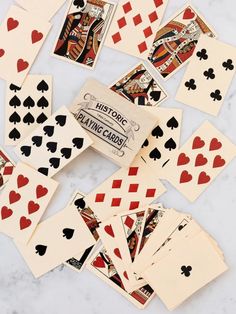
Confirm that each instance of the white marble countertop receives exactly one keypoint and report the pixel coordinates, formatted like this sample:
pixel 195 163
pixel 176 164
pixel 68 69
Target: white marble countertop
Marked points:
pixel 63 290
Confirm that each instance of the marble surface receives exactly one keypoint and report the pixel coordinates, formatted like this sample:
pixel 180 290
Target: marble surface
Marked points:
pixel 64 291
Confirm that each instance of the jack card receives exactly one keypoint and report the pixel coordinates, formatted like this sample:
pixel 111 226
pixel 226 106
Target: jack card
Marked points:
pixel 6 167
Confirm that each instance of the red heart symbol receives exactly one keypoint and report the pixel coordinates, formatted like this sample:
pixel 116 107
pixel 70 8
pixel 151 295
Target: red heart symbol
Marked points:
pixel 14 197
pixel 203 178
pixel 215 144
pixel 22 181
pixel 198 142
pixel 22 65
pixel 99 262
pixel 109 230
pixel 188 14
pixel 117 253
pixel 36 36
pixel 32 207
pixel 185 177
pixel 2 52
pixel 6 212
pixel 183 159
pixel 218 162
pixel 24 223
pixel 41 191
pixel 12 24
pixel 200 160
pixel 126 275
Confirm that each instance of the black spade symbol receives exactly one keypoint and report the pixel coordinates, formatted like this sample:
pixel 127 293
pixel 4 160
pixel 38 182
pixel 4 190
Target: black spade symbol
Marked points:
pixel 61 120
pixel 52 147
pixel 155 95
pixel 41 118
pixel 79 4
pixel 186 270
pixel 54 162
pixel 68 233
pixel 80 203
pixel 43 171
pixel 78 142
pixel 48 130
pixel 29 103
pixel 40 249
pixel 15 102
pixel 26 151
pixel 170 144
pixel 37 140
pixel 155 154
pixel 66 152
pixel 28 118
pixel 15 118
pixel 42 103
pixel 42 86
pixel 157 132
pixel 14 134
pixel 172 123
pixel 145 144
pixel 181 227
pixel 14 88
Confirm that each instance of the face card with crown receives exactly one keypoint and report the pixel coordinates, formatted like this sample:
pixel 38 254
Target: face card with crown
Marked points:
pixel 6 167
pixel 134 26
pixel 199 161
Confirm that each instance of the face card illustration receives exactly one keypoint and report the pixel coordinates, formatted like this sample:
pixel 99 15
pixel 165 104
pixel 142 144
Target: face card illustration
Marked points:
pixel 161 146
pixel 55 240
pixel 22 36
pixel 83 31
pixel 57 141
pixel 140 87
pixel 102 266
pixel 199 161
pixel 26 107
pixel 175 41
pixel 117 127
pixel 138 18
pixel 208 76
pixel 24 201
pixel 185 270
pixel 6 167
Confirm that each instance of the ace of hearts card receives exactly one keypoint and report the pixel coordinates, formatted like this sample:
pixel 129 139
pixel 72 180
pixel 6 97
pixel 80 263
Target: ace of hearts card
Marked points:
pixel 83 32
pixel 175 41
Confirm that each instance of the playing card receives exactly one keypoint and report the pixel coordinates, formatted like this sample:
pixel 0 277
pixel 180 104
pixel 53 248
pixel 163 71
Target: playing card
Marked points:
pixel 27 106
pixel 117 127
pixel 140 87
pixel 21 35
pixel 24 201
pixel 83 32
pixel 161 146
pixel 102 266
pixel 55 240
pixel 208 76
pixel 6 167
pixel 185 270
pixel 176 40
pixel 44 8
pixel 199 161
pixel 57 141
pixel 134 25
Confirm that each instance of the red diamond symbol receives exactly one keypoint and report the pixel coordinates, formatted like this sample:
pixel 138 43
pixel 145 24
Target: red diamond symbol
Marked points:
pixel 133 205
pixel 116 38
pixel 148 32
pixel 133 188
pixel 151 192
pixel 133 171
pixel 100 198
pixel 158 3
pixel 129 222
pixel 137 19
pixel 127 7
pixel 8 170
pixel 153 17
pixel 116 184
pixel 122 22
pixel 116 202
pixel 142 47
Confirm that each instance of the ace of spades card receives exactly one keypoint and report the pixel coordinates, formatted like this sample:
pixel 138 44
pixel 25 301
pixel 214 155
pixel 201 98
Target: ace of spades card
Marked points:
pixel 175 41
pixel 134 25
pixel 24 201
pixel 21 35
pixel 55 240
pixel 26 107
pixel 208 76
pixel 83 32
pixel 198 162
pixel 54 144
pixel 6 167
pixel 140 87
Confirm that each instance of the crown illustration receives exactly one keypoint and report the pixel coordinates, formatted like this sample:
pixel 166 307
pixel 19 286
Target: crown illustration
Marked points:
pixel 98 3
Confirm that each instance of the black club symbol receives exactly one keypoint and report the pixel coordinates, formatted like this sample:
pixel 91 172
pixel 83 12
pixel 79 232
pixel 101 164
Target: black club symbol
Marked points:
pixel 228 65
pixel 216 95
pixel 191 84
pixel 209 74
pixel 186 270
pixel 202 55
